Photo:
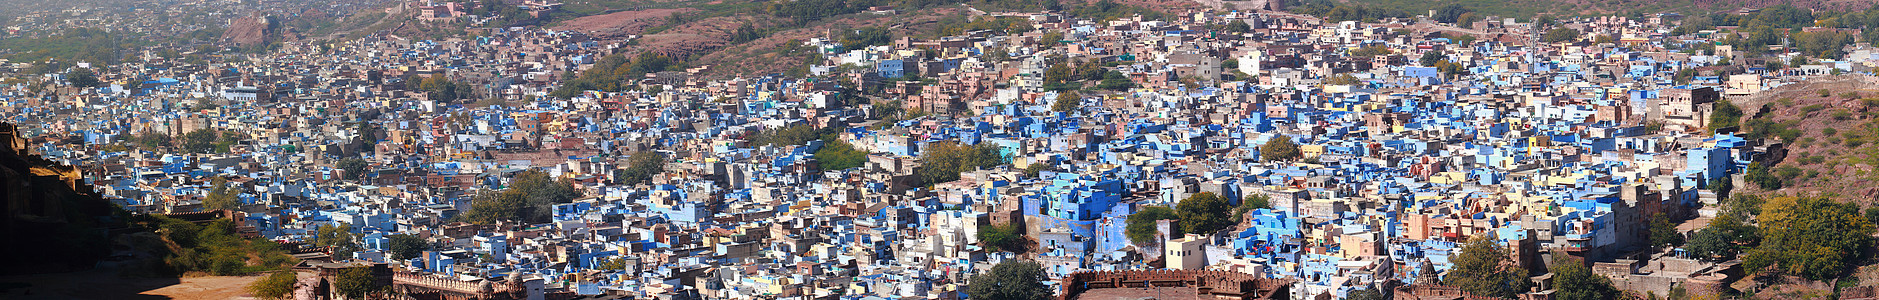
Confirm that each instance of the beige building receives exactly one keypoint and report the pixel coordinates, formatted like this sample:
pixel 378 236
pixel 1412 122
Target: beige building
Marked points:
pixel 1186 253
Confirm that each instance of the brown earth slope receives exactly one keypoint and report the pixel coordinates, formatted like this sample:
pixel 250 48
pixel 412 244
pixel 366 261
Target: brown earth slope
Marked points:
pixel 1834 124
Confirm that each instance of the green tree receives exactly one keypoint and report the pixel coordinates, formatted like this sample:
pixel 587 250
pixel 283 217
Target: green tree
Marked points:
pixel 1759 175
pixel 82 77
pixel 1812 237
pixel 1141 227
pixel 1370 51
pixel 1032 170
pixel 338 238
pixel 1058 73
pixel 1280 148
pixel 1724 114
pixel 1725 236
pixel 1066 101
pixel 641 166
pixel 1368 293
pixel 274 286
pixel 1203 213
pixel 529 198
pixel 221 195
pixel 152 140
pixel 200 141
pixel 1561 34
pixel 1116 81
pixel 353 167
pixel 1429 59
pixel 1250 203
pixel 943 161
pixel 1341 79
pixel 1482 268
pixel 785 136
pixel 1663 233
pixel 1004 237
pixel 839 155
pixel 1572 280
pixel 1451 13
pixel 405 246
pixel 356 283
pixel 1010 280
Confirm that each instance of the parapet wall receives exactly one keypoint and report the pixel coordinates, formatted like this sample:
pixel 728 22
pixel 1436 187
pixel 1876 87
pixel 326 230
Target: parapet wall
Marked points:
pixel 1220 284
pixel 482 288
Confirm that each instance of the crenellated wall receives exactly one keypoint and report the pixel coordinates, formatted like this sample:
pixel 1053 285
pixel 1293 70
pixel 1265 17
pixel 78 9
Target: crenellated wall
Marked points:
pixel 1220 284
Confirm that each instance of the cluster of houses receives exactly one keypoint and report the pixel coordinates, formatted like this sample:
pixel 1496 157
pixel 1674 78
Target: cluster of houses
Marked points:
pixel 1547 148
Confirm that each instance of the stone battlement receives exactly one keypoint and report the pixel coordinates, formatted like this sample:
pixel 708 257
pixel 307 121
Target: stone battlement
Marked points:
pixel 1220 284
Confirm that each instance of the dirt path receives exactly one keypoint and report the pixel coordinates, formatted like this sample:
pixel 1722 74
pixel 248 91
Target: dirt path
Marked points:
pixel 104 283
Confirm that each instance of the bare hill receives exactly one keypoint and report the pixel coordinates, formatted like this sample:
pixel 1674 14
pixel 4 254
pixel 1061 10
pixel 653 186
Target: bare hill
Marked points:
pixel 1831 126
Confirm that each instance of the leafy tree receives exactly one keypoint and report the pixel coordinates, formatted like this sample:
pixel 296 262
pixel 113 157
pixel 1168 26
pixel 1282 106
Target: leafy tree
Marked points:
pixel 1572 280
pixel 1561 34
pixel 745 33
pixel 200 141
pixel 1724 114
pixel 865 37
pixel 1116 81
pixel 1034 169
pixel 1758 174
pixel 1066 101
pixel 221 196
pixel 83 78
pixel 353 166
pixel 641 166
pixel 1280 148
pixel 785 136
pixel 1450 13
pixel 338 237
pixel 1368 293
pixel 1722 239
pixel 1663 233
pixel 1203 213
pixel 1811 237
pixel 274 286
pixel 356 283
pixel 1010 280
pixel 1004 237
pixel 1429 59
pixel 1604 39
pixel 839 155
pixel 1141 227
pixel 405 246
pixel 1250 203
pixel 1370 51
pixel 152 140
pixel 529 198
pixel 1481 269
pixel 1341 79
pixel 943 161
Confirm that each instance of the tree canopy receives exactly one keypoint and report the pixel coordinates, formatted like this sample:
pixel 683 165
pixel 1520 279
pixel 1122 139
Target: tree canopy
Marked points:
pixel 274 286
pixel 1481 269
pixel 1811 237
pixel 1280 148
pixel 1572 280
pixel 528 198
pixel 1066 101
pixel 1141 227
pixel 1010 280
pixel 1004 237
pixel 1203 213
pixel 943 161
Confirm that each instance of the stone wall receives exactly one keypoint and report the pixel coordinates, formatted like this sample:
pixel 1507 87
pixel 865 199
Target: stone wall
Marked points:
pixel 1220 284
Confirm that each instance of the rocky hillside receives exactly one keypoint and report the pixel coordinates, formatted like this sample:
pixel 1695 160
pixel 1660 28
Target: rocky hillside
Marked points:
pixel 1830 125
